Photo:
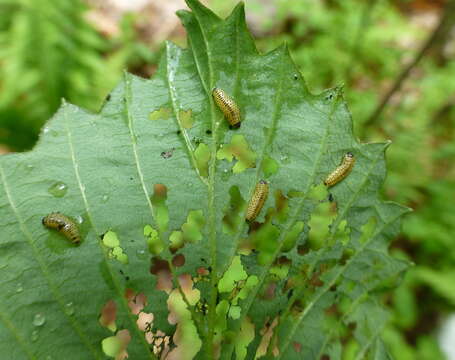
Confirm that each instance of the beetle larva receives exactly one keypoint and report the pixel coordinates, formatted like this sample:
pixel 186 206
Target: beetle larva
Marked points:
pixel 228 106
pixel 341 171
pixel 64 225
pixel 257 200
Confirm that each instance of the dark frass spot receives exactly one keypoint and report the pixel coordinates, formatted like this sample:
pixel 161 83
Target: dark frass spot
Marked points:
pixel 167 154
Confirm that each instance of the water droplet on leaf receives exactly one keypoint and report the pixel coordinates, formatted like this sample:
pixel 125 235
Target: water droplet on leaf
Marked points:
pixel 58 189
pixel 34 336
pixel 69 308
pixel 39 319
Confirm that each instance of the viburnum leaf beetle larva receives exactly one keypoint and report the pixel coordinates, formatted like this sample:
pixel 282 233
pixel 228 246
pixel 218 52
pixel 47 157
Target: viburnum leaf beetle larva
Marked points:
pixel 64 225
pixel 341 171
pixel 228 106
pixel 257 200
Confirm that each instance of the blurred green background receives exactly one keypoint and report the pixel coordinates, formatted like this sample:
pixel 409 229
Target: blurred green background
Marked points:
pixel 77 50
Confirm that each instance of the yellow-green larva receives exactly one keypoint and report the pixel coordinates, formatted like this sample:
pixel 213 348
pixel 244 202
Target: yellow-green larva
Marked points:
pixel 341 171
pixel 228 106
pixel 64 225
pixel 257 200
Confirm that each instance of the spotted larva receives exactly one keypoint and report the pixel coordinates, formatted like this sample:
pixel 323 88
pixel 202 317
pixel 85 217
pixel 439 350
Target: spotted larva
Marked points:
pixel 341 171
pixel 257 200
pixel 63 225
pixel 228 106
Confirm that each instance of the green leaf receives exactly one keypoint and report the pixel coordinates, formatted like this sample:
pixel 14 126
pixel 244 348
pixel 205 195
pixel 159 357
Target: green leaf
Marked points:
pixel 140 167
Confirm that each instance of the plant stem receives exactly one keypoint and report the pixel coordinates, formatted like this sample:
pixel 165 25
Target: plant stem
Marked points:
pixel 444 21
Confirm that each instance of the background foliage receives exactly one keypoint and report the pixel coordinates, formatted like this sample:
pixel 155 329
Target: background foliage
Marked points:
pixel 56 52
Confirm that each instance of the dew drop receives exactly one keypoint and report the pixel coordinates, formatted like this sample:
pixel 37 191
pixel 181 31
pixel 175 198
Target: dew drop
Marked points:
pixel 34 335
pixel 141 254
pixel 39 319
pixel 69 308
pixel 46 130
pixel 58 189
pixel 105 198
pixel 19 288
pixel 79 219
pixel 29 167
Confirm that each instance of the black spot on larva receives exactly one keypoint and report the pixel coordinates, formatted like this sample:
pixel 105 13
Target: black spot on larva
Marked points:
pixel 208 132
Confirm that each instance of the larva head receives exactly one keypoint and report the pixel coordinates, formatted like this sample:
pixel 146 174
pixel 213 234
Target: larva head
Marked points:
pixel 263 182
pixel 349 155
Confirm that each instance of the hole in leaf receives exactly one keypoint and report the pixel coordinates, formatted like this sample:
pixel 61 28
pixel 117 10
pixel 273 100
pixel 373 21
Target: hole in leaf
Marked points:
pixel 176 241
pixel 178 260
pixel 202 155
pixel 186 118
pixel 267 333
pixel 115 346
pixel 270 166
pixel 112 243
pixel 158 200
pixel 145 323
pixel 238 149
pixel 186 283
pixel 192 229
pixel 232 275
pixel 234 213
pixel 136 302
pixel 208 132
pixel 160 114
pixel 265 241
pixel 108 315
pixel 185 337
pixel 154 243
pixel 244 338
pixel 161 269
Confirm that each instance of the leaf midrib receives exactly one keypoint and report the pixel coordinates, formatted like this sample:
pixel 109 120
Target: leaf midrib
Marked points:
pixel 92 222
pixel 183 131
